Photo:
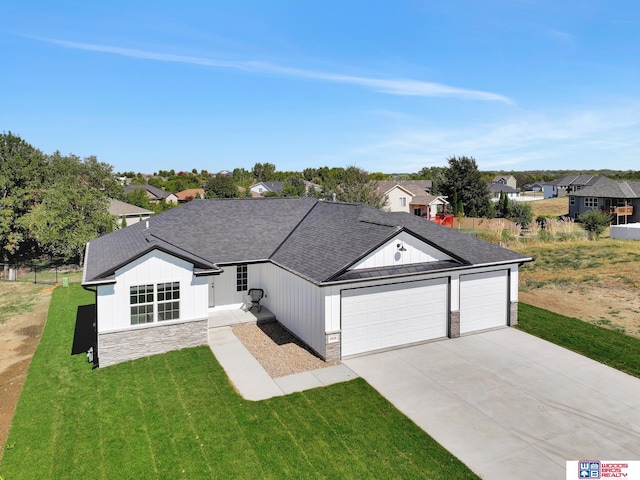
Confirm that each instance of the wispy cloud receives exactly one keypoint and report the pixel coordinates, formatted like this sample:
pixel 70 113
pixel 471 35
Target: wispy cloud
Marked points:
pixel 571 140
pixel 391 86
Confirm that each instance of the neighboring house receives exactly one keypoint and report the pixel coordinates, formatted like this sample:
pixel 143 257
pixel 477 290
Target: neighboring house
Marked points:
pixel 130 213
pixel 189 194
pixel 428 206
pixel 346 279
pixel 497 188
pixel 260 188
pixel 400 194
pixel 155 194
pixel 619 198
pixel 509 180
pixel 550 189
pixel 536 187
pixel 574 183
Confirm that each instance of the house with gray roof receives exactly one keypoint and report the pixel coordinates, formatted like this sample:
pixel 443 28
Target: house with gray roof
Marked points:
pixel 346 279
pixel 154 194
pixel 126 213
pixel 620 199
pixel 575 183
pixel 496 188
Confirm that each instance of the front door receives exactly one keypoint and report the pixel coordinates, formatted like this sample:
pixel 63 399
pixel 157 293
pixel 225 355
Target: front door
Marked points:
pixel 212 293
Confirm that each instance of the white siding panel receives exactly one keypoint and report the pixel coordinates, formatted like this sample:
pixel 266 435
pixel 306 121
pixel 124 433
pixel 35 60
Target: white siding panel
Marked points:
pixel 389 254
pixel 483 300
pixel 392 315
pixel 394 204
pixel 153 268
pixel 296 303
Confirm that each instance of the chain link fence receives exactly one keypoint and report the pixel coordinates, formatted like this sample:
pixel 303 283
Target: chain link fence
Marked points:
pixel 38 270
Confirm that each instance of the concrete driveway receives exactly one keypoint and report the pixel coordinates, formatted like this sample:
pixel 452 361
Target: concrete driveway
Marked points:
pixel 510 405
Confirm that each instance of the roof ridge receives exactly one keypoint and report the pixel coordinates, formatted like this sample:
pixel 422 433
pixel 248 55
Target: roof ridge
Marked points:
pixel 294 229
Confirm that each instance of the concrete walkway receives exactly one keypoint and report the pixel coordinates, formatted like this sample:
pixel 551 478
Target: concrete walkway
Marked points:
pixel 253 382
pixel 510 405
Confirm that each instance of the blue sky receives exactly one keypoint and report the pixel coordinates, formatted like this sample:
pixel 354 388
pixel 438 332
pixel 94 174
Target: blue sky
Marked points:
pixel 387 86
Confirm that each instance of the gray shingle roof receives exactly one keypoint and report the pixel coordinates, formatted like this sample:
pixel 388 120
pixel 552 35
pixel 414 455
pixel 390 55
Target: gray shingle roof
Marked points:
pixel 611 189
pixel 156 192
pixel 501 187
pixel 116 207
pixel 414 186
pixel 318 240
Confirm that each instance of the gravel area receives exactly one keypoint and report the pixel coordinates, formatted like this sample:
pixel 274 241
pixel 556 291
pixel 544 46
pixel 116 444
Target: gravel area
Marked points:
pixel 278 350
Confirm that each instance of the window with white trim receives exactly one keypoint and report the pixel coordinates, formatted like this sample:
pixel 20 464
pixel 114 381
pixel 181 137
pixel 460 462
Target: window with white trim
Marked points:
pixel 145 300
pixel 168 301
pixel 141 298
pixel 403 201
pixel 572 200
pixel 241 278
pixel 590 202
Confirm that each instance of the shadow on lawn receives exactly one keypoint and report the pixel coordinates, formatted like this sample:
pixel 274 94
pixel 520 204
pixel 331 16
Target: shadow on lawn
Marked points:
pixel 84 336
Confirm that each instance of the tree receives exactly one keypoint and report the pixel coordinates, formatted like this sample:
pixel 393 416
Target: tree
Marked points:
pixel 293 187
pixel 310 173
pixel 138 197
pixel 22 173
pixel 594 222
pixel 70 214
pixel 464 178
pixel 264 172
pixel 502 208
pixel 242 176
pixel 220 187
pixel 357 187
pixel 90 171
pixel 520 213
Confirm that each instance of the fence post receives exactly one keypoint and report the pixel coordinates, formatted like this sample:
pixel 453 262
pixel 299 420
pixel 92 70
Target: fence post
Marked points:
pixel 35 272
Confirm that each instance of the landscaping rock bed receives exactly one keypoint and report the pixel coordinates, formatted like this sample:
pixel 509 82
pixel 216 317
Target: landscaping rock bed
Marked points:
pixel 279 351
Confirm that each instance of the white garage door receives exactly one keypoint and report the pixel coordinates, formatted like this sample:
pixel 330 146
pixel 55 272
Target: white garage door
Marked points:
pixel 483 301
pixel 391 315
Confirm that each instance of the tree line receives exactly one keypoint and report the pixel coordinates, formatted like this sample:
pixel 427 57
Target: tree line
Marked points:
pixel 54 204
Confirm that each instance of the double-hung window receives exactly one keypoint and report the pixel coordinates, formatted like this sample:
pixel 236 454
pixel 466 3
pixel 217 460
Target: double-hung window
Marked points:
pixel 141 304
pixel 168 301
pixel 150 303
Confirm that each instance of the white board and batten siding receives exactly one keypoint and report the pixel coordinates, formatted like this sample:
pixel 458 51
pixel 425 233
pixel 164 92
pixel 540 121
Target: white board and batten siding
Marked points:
pixel 386 316
pixel 297 303
pixel 390 254
pixel 484 300
pixel 155 267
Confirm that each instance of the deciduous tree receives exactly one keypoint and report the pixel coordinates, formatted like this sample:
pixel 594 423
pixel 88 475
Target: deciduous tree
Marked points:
pixel 22 173
pixel 293 187
pixel 221 187
pixel 71 214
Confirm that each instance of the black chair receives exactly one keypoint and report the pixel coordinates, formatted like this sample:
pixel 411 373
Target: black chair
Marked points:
pixel 255 294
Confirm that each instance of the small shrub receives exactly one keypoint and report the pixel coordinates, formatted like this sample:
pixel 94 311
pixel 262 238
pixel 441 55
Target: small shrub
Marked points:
pixel 594 222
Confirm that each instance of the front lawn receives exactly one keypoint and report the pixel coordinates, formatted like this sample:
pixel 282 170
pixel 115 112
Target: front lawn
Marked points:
pixel 610 347
pixel 176 416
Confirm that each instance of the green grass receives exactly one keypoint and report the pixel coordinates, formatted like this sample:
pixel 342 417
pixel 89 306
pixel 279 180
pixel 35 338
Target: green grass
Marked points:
pixel 610 347
pixel 16 299
pixel 176 416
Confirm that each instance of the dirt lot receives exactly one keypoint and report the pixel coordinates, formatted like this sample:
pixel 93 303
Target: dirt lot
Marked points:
pixel 23 312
